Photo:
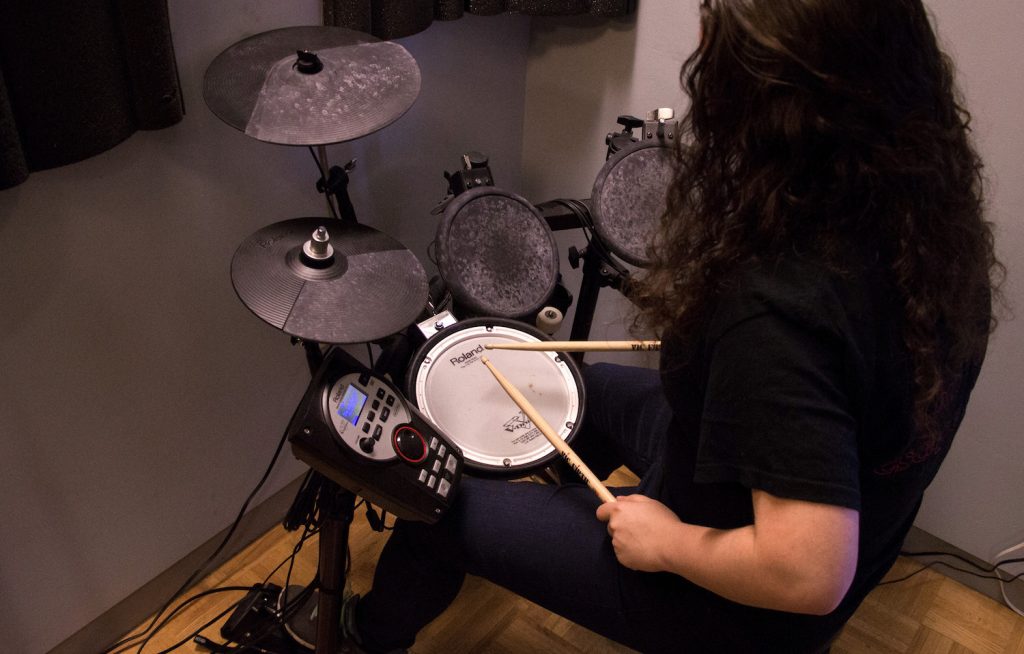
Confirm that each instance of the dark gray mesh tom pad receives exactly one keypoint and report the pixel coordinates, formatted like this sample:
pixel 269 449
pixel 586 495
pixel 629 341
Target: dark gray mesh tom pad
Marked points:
pixel 496 254
pixel 629 199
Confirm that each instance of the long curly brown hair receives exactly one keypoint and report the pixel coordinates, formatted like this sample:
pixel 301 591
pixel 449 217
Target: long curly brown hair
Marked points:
pixel 820 126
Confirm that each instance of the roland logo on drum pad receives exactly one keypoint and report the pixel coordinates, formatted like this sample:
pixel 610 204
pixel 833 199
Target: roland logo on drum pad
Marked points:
pixel 469 356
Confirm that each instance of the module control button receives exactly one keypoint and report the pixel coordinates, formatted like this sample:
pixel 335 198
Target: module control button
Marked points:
pixel 409 444
pixel 443 488
pixel 423 476
pixel 385 414
pixel 451 464
pixel 377 431
pixel 390 401
pixel 432 481
pixel 436 468
pixel 380 393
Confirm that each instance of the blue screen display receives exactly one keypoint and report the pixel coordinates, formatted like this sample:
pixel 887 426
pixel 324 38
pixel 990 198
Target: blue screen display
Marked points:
pixel 351 404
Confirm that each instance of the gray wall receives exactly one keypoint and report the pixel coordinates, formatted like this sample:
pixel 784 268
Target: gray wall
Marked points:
pixel 581 75
pixel 977 501
pixel 141 399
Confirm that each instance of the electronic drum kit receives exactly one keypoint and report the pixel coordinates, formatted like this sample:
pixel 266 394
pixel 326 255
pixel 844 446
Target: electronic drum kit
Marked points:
pixel 335 281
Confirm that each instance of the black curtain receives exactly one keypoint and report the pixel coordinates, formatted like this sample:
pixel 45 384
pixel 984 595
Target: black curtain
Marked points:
pixel 78 78
pixel 393 19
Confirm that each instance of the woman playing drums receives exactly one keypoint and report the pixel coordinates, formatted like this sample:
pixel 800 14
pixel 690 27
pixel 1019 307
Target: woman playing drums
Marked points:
pixel 822 283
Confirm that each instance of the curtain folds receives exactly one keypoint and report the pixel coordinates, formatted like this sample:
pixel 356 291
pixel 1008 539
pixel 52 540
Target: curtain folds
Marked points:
pixel 76 80
pixel 393 19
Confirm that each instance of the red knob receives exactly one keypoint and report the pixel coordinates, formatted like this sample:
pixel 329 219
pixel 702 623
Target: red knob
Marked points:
pixel 409 444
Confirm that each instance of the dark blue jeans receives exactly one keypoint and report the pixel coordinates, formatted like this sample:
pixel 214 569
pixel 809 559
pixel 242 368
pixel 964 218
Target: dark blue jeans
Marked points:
pixel 543 542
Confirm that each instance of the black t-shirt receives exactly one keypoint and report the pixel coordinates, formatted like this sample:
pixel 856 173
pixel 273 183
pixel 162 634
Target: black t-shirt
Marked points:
pixel 799 385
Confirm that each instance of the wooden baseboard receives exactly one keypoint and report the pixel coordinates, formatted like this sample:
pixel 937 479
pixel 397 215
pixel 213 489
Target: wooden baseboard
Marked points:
pixel 131 611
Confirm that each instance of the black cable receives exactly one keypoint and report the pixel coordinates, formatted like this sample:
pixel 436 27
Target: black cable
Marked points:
pixel 182 605
pixel 195 575
pixel 306 535
pixel 954 555
pixel 301 507
pixel 170 616
pixel 432 252
pixel 291 606
pixel 199 630
pixel 577 209
pixel 995 577
pixel 289 609
pixel 291 562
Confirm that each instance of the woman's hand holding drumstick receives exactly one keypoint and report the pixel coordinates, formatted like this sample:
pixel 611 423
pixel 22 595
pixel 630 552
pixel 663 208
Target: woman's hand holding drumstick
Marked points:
pixel 570 457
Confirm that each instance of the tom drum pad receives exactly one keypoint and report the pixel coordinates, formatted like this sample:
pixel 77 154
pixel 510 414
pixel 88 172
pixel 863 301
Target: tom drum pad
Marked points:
pixel 629 198
pixel 496 254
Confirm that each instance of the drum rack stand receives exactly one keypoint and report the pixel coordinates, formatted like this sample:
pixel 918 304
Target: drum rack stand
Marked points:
pixel 336 505
pixel 336 509
pixel 600 269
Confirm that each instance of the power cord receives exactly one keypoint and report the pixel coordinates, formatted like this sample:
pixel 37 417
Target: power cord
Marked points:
pixel 987 571
pixel 129 642
pixel 287 611
pixel 196 632
pixel 185 603
pixel 1000 560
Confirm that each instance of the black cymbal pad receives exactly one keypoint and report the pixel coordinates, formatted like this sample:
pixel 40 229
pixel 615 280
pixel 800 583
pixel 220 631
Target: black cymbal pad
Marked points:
pixel 360 85
pixel 370 288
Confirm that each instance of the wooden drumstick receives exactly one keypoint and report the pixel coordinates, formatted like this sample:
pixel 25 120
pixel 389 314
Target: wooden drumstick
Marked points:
pixel 563 448
pixel 579 346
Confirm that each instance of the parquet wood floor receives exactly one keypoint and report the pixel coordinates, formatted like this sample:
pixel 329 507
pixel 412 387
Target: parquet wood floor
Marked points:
pixel 928 614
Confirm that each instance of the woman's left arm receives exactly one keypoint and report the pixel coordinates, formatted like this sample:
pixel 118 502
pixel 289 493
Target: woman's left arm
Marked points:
pixel 797 556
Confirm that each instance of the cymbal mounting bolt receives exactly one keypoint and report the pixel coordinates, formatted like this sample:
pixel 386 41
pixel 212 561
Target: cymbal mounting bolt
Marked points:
pixel 318 247
pixel 307 62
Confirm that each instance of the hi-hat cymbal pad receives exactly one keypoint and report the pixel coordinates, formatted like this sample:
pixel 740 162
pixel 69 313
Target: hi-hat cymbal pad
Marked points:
pixel 311 85
pixel 348 283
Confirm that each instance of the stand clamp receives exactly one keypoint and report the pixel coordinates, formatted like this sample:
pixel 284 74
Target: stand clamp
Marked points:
pixel 336 186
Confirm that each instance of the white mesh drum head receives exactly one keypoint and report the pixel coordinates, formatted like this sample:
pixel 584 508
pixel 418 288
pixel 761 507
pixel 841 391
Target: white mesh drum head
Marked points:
pixel 459 394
